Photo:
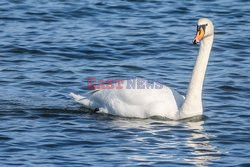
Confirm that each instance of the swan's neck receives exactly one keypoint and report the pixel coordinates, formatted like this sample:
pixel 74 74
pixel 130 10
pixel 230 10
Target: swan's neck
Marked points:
pixel 193 102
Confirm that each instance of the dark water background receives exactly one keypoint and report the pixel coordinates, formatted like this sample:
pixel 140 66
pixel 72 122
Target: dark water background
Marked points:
pixel 49 47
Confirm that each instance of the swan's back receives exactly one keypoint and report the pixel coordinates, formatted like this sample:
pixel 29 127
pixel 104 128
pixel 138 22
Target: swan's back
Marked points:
pixel 134 102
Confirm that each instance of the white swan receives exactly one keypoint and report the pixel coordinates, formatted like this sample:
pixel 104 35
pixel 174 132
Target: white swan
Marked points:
pixel 164 101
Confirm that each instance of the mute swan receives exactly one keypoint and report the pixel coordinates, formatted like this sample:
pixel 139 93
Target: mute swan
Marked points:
pixel 163 102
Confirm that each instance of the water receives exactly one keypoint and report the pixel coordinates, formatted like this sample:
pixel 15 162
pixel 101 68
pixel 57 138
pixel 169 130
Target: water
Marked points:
pixel 49 47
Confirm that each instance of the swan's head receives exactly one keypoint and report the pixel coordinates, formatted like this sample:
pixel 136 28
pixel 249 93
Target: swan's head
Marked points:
pixel 205 28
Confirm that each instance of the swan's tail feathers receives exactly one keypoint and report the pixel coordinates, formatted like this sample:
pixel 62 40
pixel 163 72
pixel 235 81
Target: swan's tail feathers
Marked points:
pixel 81 99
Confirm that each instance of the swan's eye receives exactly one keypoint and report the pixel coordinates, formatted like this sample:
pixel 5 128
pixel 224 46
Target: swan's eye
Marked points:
pixel 203 26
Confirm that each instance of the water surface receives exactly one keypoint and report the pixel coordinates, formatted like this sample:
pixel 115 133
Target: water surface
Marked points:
pixel 48 48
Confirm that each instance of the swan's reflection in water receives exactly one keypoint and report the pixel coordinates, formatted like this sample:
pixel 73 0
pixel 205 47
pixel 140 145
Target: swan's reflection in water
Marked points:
pixel 161 141
pixel 202 151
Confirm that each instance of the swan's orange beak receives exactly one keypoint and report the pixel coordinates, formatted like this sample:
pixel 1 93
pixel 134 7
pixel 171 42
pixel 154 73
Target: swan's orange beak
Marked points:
pixel 199 34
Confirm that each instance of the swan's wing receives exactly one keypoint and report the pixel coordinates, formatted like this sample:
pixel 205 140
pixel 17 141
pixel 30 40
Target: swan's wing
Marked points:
pixel 137 102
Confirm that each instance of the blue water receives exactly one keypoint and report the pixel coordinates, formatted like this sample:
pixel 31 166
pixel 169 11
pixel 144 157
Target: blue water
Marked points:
pixel 49 47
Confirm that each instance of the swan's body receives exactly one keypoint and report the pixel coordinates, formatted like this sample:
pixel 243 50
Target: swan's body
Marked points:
pixel 134 102
pixel 164 102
